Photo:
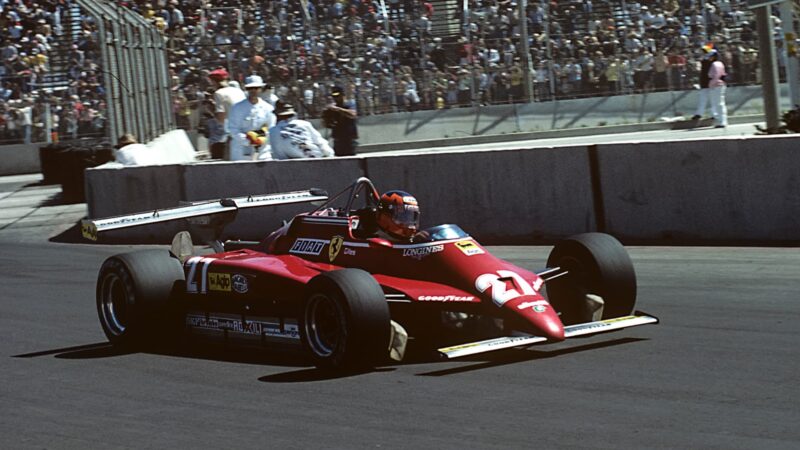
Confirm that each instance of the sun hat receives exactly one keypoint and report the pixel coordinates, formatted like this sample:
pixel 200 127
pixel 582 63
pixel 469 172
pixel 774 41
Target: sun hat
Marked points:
pixel 253 81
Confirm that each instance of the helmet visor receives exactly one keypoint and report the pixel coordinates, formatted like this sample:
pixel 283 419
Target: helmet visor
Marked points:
pixel 407 216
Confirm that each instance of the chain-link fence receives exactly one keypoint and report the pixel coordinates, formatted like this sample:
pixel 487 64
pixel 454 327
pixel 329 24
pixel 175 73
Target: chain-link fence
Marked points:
pixel 135 67
pixel 89 70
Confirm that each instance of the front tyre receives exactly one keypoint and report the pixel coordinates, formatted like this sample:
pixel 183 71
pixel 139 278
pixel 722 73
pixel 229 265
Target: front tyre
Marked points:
pixel 133 294
pixel 345 322
pixel 597 264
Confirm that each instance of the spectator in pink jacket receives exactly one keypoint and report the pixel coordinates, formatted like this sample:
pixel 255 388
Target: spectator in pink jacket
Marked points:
pixel 716 90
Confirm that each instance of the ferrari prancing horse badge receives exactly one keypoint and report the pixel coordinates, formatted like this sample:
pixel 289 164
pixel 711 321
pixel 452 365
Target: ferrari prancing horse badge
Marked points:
pixel 337 242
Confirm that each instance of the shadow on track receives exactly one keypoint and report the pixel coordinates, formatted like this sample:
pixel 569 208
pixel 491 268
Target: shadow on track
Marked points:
pixel 314 374
pixel 183 350
pixel 87 351
pixel 513 356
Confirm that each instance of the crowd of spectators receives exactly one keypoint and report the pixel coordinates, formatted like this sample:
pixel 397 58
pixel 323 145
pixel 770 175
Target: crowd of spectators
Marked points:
pixel 29 34
pixel 399 62
pixel 596 48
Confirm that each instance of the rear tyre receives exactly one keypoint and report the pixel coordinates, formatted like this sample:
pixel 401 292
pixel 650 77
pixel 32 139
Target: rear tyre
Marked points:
pixel 596 264
pixel 133 295
pixel 345 323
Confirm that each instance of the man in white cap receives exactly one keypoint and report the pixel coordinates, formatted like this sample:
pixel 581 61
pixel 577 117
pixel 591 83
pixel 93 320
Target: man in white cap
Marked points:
pixel 248 122
pixel 294 138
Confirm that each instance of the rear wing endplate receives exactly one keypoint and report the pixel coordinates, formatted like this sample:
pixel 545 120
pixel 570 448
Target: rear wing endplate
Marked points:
pixel 91 228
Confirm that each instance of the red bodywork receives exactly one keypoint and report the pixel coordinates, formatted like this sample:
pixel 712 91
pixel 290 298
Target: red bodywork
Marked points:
pixel 451 274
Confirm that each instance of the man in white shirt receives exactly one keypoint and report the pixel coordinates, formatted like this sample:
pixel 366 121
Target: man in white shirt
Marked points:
pixel 129 152
pixel 294 138
pixel 225 97
pixel 248 119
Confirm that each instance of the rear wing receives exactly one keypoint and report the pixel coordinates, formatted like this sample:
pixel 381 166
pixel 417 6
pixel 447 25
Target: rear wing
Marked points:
pixel 90 228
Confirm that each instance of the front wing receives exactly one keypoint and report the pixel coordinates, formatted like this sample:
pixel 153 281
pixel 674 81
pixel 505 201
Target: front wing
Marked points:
pixel 581 329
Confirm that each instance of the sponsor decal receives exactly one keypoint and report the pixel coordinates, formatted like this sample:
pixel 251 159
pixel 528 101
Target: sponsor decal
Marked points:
pixel 445 298
pixel 308 246
pixel 266 327
pixel 349 251
pixel 239 283
pixel 420 252
pixel 220 282
pixel 539 305
pixel 469 248
pixel 337 242
pixel 89 230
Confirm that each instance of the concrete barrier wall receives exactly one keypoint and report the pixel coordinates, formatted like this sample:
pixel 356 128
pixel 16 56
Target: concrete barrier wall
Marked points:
pixel 112 191
pixel 499 196
pixel 19 158
pixel 721 189
pixel 744 190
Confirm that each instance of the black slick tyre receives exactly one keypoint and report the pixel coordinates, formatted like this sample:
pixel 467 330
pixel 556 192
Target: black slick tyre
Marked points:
pixel 597 264
pixel 133 295
pixel 345 321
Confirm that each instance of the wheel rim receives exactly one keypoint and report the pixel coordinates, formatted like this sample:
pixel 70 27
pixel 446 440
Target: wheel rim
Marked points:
pixel 324 325
pixel 114 304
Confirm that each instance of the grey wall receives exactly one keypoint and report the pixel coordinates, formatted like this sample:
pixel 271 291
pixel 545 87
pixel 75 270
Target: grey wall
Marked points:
pixel 19 158
pixel 719 189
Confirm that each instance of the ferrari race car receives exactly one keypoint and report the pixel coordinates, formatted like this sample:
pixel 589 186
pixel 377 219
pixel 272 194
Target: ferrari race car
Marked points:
pixel 325 282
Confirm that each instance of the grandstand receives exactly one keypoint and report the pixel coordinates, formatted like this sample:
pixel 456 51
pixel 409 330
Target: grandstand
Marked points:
pixel 389 54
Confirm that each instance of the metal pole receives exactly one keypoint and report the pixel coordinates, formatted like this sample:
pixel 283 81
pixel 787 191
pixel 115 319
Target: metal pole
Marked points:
pixel 526 51
pixel 468 36
pixel 549 52
pixel 769 67
pixel 391 64
pixel 790 52
pixel 48 121
pixel 705 19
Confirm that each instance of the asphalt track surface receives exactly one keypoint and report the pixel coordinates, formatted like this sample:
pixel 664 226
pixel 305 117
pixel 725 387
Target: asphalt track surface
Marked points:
pixel 720 371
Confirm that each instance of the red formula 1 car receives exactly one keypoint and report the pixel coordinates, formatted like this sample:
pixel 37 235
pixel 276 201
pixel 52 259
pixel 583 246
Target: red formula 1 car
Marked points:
pixel 324 281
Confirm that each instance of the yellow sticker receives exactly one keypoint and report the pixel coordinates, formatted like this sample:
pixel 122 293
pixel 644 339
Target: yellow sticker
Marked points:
pixel 89 230
pixel 219 282
pixel 469 248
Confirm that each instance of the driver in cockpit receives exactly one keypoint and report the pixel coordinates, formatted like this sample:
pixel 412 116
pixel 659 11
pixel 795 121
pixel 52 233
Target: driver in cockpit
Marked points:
pixel 397 218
